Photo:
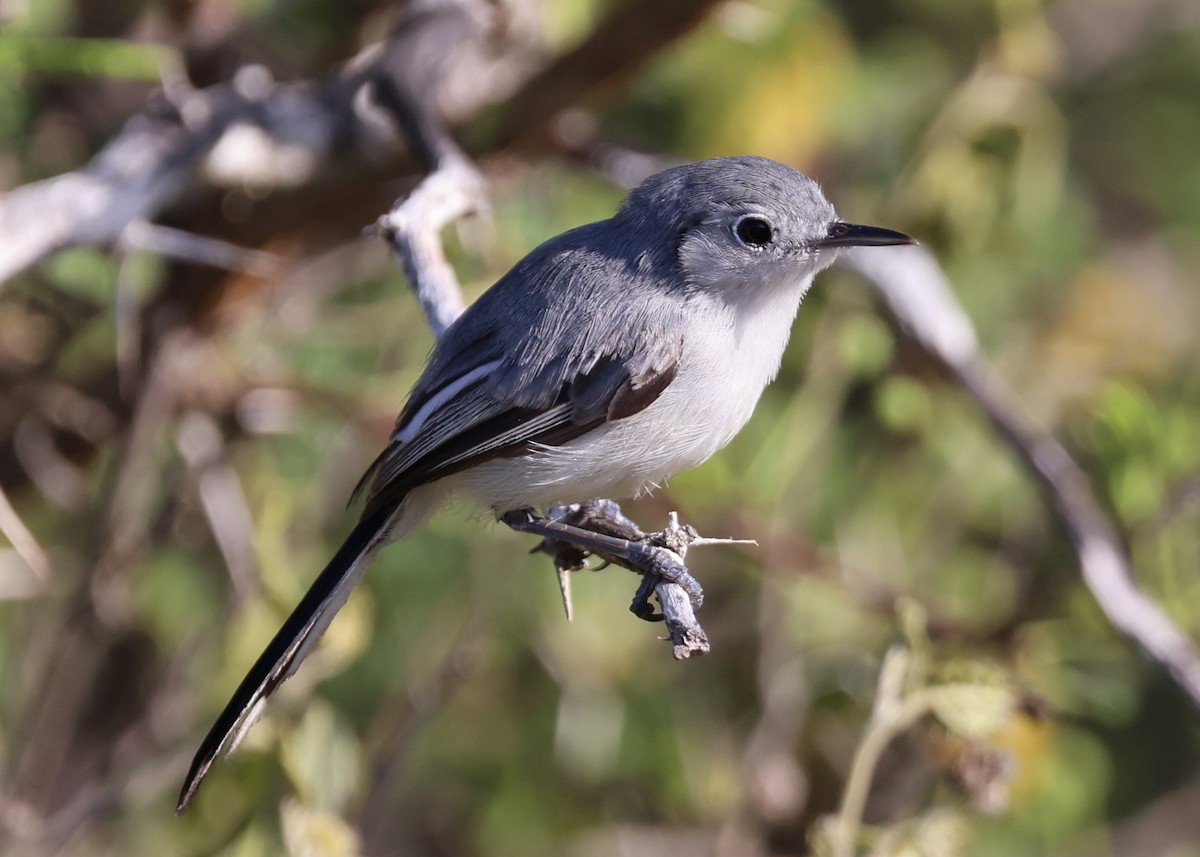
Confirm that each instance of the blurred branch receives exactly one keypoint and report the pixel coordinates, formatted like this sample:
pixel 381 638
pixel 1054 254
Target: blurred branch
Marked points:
pixel 137 478
pixel 920 297
pixel 1092 43
pixel 251 132
pixel 197 249
pixel 199 440
pixel 776 784
pixel 897 709
pixel 413 228
pixel 400 720
pixel 135 175
pixel 26 546
pixel 54 759
pixel 262 134
pixel 1165 826
pixel 56 477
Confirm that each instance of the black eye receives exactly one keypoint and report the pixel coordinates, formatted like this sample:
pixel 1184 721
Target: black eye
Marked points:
pixel 754 231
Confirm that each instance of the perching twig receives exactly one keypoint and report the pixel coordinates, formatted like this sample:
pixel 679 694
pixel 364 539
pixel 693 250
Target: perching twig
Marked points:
pixel 658 557
pixel 920 296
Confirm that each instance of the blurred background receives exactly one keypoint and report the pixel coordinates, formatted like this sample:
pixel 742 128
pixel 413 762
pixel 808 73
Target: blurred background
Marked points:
pixel 189 395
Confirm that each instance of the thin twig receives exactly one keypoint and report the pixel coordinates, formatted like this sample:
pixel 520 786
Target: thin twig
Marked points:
pixel 598 528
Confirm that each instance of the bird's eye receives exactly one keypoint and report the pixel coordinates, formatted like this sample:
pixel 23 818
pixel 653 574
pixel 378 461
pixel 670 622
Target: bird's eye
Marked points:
pixel 754 231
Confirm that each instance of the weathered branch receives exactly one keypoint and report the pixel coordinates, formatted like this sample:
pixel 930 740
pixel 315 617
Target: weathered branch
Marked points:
pixel 920 296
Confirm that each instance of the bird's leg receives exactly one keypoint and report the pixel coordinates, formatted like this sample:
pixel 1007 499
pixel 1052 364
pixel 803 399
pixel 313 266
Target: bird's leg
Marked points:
pixel 600 516
pixel 653 562
pixel 596 516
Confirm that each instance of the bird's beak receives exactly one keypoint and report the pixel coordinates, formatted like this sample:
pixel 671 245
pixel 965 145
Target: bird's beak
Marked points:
pixel 842 234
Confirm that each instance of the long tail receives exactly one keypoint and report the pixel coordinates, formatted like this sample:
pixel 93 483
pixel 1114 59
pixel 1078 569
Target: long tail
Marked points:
pixel 290 646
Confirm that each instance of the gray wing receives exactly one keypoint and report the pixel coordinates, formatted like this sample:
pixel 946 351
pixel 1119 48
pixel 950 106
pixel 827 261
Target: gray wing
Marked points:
pixel 562 344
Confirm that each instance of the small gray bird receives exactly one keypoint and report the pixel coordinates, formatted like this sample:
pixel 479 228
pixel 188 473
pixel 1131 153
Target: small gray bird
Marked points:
pixel 609 359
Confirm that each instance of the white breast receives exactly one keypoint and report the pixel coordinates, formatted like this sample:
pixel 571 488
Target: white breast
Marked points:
pixel 730 354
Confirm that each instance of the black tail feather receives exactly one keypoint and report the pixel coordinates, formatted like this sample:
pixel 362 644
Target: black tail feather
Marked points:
pixel 289 646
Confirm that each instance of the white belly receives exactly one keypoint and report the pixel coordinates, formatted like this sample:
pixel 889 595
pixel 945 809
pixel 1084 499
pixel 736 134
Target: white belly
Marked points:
pixel 723 370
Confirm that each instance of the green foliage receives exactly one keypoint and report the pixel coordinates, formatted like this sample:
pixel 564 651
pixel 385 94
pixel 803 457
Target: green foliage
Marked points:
pixel 20 54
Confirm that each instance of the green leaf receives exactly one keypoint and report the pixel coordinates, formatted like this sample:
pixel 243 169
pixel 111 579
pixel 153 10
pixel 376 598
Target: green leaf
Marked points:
pixel 972 710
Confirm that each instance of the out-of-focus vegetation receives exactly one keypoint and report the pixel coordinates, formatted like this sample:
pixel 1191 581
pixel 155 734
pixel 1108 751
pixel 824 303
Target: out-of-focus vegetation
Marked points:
pixel 1046 151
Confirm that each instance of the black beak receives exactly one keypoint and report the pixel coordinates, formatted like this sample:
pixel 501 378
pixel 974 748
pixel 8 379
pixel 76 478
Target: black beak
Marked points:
pixel 842 234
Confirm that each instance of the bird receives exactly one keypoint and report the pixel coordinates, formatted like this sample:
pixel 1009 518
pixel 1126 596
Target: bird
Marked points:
pixel 608 359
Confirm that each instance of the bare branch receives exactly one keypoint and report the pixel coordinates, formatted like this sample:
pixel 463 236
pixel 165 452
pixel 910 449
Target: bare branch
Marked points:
pixel 919 295
pixel 135 175
pixel 413 228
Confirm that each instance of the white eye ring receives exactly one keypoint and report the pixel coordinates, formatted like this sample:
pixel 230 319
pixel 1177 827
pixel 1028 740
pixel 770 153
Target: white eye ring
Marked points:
pixel 754 231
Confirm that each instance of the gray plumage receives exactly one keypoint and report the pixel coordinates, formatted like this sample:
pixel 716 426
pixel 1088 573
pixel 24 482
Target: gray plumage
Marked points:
pixel 608 359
